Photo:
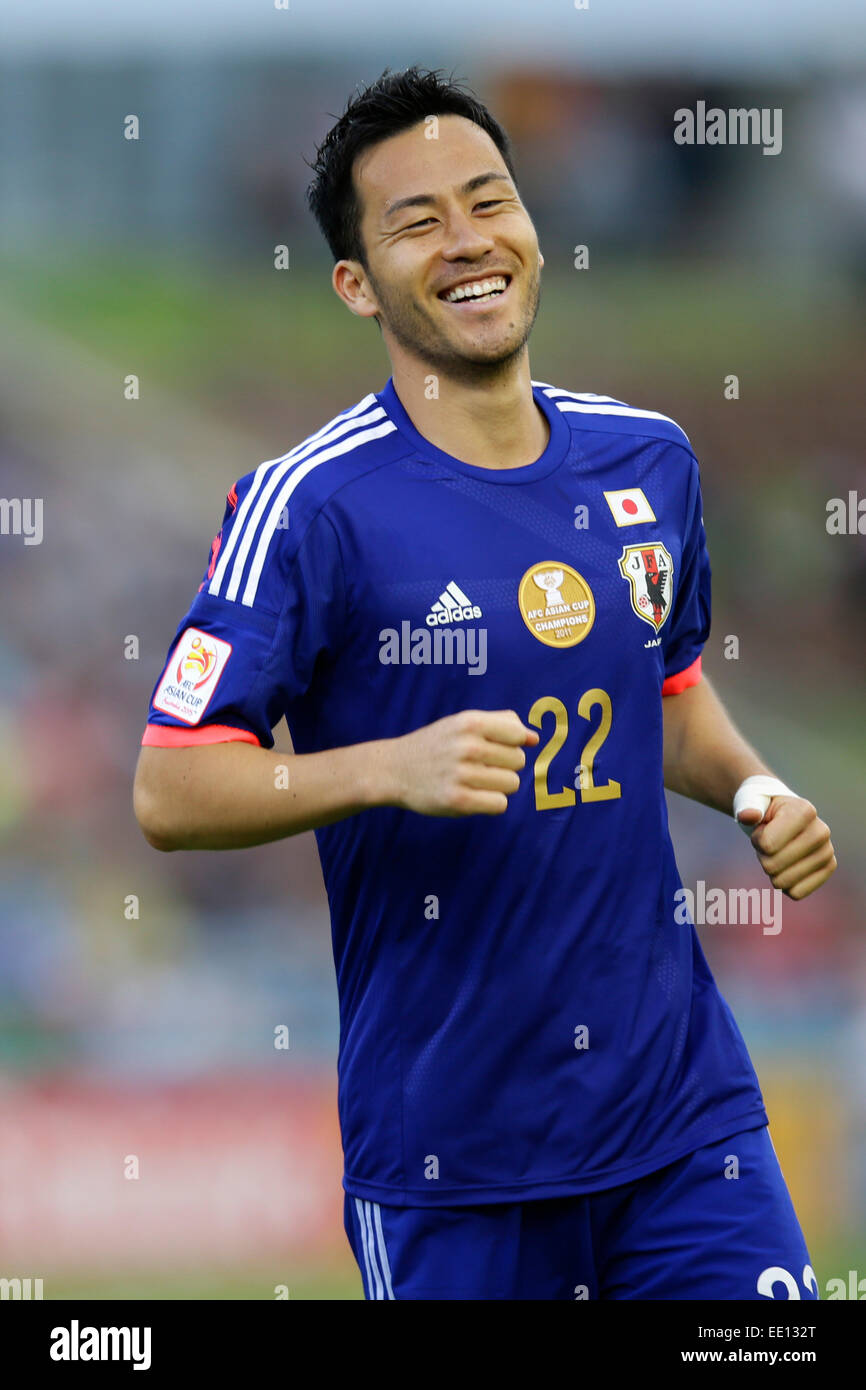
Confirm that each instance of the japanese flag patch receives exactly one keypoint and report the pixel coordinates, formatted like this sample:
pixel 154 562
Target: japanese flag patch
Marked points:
pixel 192 675
pixel 629 506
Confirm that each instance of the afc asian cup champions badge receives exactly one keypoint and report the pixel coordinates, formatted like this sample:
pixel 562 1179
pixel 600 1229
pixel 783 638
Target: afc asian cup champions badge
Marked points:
pixel 556 603
pixel 649 570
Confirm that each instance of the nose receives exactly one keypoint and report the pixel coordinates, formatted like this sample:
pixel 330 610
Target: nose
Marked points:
pixel 464 239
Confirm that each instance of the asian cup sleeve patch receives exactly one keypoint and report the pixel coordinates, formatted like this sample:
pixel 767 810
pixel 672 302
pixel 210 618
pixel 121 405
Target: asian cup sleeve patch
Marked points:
pixel 191 677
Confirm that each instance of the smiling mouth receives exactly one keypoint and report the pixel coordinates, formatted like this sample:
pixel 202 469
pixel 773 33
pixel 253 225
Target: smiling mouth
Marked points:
pixel 482 291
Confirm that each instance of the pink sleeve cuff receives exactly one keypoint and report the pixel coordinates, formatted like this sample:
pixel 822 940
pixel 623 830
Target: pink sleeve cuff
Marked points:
pixel 165 736
pixel 675 685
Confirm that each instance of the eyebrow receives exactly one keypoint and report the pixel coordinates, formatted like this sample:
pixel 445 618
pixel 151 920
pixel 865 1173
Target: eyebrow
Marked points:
pixel 422 199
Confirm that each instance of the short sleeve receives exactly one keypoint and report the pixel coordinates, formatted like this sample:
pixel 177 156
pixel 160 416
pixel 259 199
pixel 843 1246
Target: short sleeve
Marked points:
pixel 269 605
pixel 689 625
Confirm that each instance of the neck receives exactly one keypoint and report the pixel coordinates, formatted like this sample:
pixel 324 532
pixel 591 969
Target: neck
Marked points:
pixel 492 422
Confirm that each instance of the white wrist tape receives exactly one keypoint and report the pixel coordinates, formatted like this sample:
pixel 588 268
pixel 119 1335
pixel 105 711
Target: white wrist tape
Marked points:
pixel 755 794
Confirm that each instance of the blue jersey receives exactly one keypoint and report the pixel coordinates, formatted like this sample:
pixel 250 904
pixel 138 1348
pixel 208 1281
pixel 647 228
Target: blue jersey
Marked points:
pixel 523 1012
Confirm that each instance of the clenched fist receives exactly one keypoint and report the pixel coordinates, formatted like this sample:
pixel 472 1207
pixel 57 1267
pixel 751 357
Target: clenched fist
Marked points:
pixel 793 845
pixel 466 764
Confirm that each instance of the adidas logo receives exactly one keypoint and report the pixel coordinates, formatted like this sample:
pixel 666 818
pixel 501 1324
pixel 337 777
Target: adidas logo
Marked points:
pixel 452 606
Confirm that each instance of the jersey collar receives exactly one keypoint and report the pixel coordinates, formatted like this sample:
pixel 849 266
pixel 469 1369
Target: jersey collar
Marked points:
pixel 555 452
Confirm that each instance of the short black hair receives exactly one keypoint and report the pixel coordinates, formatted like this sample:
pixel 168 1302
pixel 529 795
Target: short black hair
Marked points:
pixel 394 102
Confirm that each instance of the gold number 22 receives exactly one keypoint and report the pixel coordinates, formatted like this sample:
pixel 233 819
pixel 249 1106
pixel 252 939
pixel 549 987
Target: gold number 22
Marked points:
pixel 546 800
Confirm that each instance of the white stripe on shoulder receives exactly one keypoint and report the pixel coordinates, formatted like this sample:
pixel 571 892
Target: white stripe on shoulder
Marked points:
pixel 589 403
pixel 266 493
pixel 296 476
pixel 553 391
pixel 597 408
pixel 247 512
pixel 250 499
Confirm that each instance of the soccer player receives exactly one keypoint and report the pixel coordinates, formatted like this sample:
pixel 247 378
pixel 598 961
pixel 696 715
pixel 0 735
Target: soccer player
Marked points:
pixel 480 601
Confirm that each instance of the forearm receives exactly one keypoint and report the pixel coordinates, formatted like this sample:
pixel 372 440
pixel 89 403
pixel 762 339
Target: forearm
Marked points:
pixel 233 795
pixel 705 756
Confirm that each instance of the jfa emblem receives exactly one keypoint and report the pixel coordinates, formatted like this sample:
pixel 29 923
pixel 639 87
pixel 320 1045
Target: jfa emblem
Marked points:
pixel 649 570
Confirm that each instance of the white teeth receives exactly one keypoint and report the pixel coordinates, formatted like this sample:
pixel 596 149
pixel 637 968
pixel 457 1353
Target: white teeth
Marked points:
pixel 477 289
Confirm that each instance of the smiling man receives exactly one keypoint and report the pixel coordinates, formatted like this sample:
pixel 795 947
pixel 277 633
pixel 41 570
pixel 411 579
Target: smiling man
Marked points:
pixel 541 1090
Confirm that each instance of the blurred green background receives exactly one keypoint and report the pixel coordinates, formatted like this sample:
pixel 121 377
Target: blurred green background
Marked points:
pixel 139 993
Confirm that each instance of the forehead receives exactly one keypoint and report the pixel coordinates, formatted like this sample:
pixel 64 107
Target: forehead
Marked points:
pixel 411 163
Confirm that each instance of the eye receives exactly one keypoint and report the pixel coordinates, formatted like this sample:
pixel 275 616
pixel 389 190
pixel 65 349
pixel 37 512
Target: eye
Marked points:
pixel 490 203
pixel 422 223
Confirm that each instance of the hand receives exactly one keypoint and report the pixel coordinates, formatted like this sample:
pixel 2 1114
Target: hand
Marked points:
pixel 793 845
pixel 466 764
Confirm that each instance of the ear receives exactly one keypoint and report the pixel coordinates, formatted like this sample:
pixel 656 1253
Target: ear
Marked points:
pixel 540 257
pixel 352 286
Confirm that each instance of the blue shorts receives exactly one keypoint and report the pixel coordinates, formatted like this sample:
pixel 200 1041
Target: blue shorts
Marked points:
pixel 717 1224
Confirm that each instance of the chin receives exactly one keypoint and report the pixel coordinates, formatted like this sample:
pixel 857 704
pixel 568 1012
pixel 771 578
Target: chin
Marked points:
pixel 493 356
